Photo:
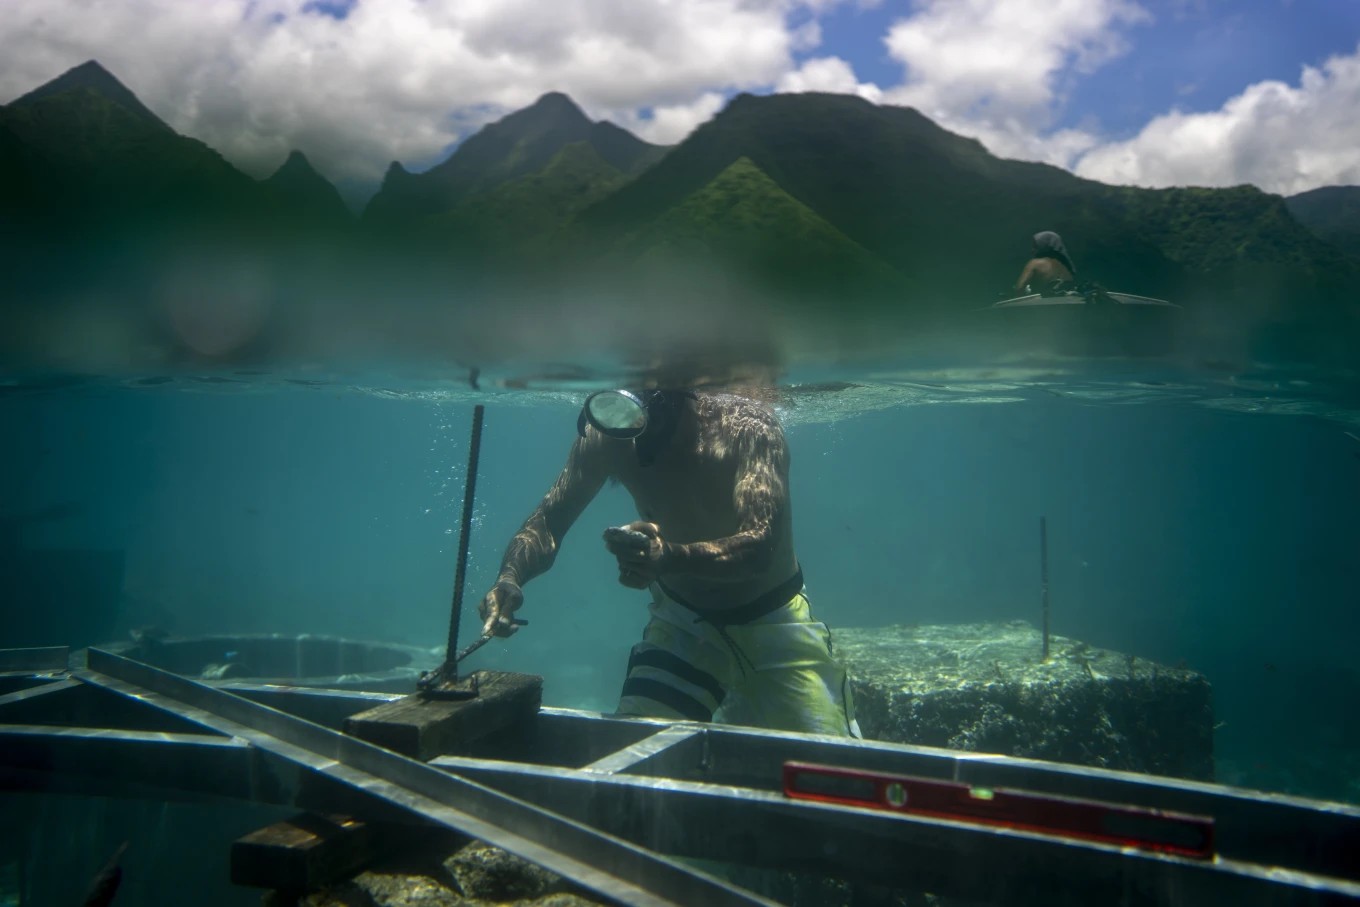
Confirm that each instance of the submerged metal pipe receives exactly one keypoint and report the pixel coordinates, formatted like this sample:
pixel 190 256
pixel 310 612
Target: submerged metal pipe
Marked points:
pixel 1043 575
pixel 469 493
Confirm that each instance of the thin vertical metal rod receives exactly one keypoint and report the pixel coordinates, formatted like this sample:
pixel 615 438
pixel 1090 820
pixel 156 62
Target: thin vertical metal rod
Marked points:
pixel 23 863
pixel 469 494
pixel 1043 575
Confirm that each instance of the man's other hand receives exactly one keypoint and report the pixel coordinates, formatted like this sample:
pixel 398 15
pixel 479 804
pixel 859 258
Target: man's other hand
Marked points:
pixel 639 567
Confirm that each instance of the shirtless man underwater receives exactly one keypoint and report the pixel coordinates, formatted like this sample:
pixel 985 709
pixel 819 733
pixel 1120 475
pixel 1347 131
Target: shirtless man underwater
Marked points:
pixel 731 635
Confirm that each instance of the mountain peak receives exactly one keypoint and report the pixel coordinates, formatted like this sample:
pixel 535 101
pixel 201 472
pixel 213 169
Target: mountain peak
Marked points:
pixel 310 193
pixel 556 98
pixel 744 215
pixel 513 146
pixel 93 72
pixel 92 77
pixel 551 112
pixel 519 144
pixel 297 163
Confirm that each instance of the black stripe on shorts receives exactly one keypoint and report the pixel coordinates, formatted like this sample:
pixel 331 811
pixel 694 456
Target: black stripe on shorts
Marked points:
pixel 674 664
pixel 670 697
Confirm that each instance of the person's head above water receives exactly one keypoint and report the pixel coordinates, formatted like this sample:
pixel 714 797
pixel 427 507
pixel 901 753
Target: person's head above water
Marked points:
pixel 1048 244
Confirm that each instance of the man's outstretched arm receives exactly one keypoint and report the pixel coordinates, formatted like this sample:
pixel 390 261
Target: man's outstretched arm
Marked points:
pixel 534 547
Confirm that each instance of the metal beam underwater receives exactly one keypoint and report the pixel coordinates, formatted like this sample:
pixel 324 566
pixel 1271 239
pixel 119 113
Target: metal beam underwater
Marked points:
pixel 610 802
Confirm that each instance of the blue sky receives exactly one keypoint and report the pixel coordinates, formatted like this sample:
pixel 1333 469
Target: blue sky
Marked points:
pixel 1194 56
pixel 1142 92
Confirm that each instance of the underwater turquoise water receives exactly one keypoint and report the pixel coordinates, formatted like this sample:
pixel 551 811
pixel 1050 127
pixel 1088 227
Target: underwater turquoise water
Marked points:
pixel 1203 517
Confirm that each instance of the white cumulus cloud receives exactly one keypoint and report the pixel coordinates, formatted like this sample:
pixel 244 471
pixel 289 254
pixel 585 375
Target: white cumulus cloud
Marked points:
pixel 829 74
pixel 1000 59
pixel 1279 137
pixel 669 125
pixel 997 69
pixel 1000 70
pixel 405 79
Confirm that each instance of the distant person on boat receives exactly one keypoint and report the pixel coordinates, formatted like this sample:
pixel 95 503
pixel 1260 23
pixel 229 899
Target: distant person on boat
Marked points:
pixel 731 636
pixel 1050 269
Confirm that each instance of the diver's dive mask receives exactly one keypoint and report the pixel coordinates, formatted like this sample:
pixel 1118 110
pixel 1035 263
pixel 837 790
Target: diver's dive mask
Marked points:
pixel 614 414
pixel 648 419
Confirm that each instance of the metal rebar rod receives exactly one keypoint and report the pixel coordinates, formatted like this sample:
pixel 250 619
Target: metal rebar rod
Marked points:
pixel 24 832
pixel 469 494
pixel 1043 575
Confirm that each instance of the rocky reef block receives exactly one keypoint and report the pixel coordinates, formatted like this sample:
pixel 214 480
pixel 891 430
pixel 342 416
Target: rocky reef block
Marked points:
pixel 986 688
pixel 476 875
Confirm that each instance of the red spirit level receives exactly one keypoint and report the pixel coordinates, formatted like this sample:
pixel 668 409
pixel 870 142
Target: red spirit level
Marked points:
pixel 1088 820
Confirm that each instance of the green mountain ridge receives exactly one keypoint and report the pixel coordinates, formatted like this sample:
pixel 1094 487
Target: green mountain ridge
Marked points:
pixel 82 152
pixel 870 209
pixel 89 148
pixel 786 135
pixel 100 196
pixel 305 195
pixel 85 152
pixel 521 217
pixel 955 220
pixel 1332 213
pixel 744 220
pixel 520 144
pixel 1215 229
pixel 92 77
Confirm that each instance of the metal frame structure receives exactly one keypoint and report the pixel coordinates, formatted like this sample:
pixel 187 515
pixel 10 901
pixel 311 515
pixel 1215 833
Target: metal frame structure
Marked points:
pixel 608 803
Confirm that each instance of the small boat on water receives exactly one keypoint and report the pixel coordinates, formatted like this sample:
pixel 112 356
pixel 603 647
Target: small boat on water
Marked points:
pixel 1086 320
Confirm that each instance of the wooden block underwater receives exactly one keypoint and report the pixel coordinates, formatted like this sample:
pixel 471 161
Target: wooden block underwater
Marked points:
pixel 424 727
pixel 304 853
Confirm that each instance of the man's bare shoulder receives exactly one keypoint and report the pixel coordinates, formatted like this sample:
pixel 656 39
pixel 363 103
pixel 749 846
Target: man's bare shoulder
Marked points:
pixel 734 420
pixel 739 407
